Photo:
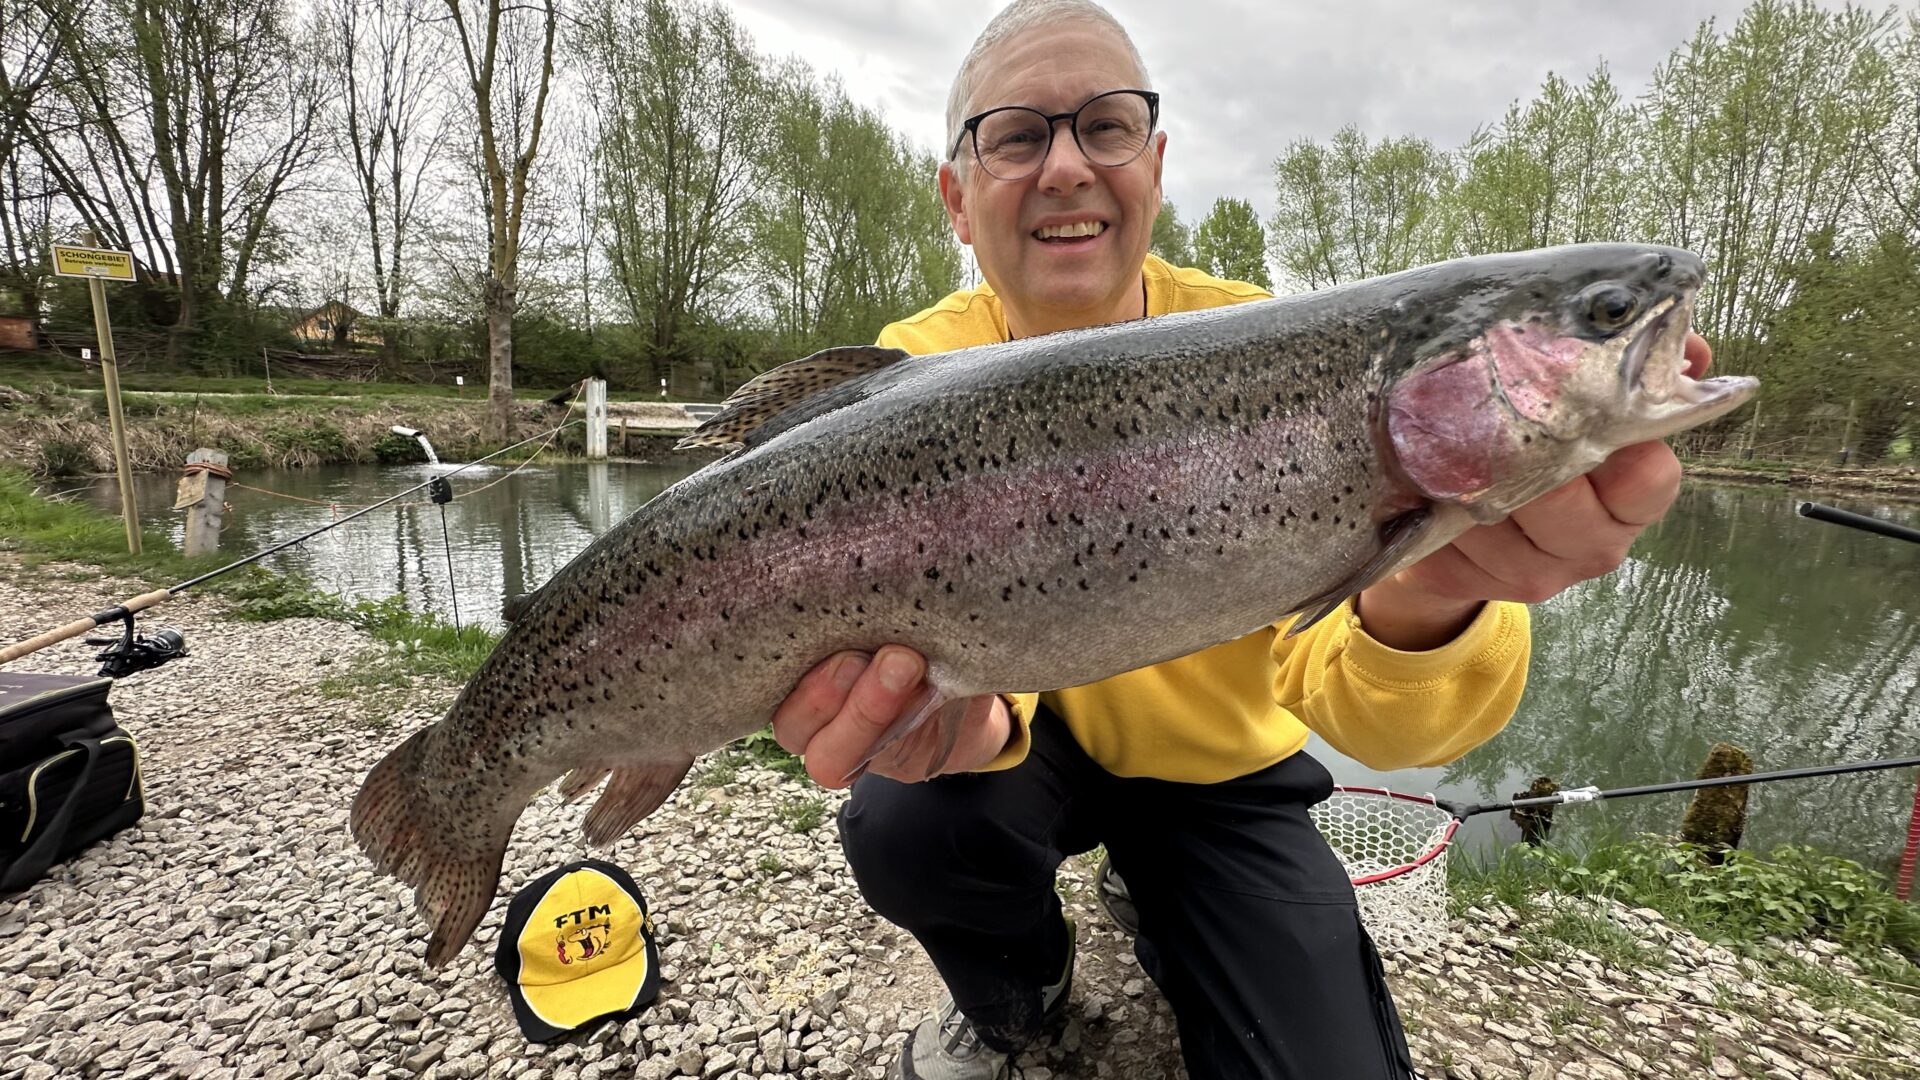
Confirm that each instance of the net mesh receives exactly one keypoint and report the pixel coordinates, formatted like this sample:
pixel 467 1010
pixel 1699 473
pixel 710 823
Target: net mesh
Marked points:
pixel 1373 833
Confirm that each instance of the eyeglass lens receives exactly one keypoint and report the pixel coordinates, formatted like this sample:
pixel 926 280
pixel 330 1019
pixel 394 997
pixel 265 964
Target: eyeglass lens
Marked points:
pixel 1112 130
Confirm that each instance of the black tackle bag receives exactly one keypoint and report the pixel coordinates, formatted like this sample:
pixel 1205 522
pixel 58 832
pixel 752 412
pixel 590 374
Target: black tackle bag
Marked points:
pixel 69 775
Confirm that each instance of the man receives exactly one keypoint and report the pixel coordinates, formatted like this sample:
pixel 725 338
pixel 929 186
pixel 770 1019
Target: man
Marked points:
pixel 1189 771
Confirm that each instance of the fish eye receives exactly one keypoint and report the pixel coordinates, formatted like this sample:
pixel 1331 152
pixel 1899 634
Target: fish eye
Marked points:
pixel 1610 307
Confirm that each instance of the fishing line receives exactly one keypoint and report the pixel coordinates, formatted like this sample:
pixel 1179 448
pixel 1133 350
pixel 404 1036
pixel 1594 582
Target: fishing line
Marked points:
pixel 126 610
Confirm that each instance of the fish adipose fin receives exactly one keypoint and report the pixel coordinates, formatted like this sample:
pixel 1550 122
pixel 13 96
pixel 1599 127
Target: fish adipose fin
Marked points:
pixel 634 792
pixel 451 859
pixel 782 391
pixel 1405 536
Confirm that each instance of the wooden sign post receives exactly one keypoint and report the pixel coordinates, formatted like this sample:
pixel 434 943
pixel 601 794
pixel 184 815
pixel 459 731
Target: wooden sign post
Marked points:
pixel 203 495
pixel 98 267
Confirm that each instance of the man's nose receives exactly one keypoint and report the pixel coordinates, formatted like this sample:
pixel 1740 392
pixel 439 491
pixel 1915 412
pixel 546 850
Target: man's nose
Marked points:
pixel 1065 167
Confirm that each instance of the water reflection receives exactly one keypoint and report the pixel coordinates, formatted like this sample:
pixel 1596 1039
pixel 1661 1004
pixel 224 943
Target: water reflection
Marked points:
pixel 1734 619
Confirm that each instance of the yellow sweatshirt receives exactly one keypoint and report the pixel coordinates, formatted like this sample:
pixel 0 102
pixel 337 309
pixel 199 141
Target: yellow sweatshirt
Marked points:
pixel 1240 706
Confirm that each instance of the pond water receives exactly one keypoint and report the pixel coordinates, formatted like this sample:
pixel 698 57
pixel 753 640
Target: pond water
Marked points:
pixel 1733 619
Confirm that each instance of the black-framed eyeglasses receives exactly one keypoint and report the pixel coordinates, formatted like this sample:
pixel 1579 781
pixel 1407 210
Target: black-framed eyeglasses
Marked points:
pixel 1111 129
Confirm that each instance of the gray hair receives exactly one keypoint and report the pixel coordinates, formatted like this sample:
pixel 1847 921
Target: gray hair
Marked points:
pixel 1014 18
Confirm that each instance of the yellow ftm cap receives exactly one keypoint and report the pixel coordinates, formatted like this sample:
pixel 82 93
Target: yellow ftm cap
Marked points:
pixel 577 946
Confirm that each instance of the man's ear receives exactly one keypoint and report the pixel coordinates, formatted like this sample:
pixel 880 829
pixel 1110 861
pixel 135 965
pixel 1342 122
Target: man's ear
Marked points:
pixel 1159 160
pixel 954 199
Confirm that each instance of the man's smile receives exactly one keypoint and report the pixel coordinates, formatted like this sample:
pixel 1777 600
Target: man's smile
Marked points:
pixel 1070 233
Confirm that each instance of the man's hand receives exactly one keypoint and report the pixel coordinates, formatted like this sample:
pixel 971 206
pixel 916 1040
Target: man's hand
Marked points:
pixel 848 701
pixel 1579 530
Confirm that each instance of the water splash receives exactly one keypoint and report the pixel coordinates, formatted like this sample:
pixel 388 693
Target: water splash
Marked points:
pixel 421 438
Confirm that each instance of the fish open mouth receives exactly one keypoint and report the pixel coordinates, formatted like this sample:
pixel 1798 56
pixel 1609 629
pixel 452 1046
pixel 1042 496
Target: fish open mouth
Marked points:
pixel 1653 371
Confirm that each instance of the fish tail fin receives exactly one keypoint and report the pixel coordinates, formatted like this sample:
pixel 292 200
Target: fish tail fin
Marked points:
pixel 452 860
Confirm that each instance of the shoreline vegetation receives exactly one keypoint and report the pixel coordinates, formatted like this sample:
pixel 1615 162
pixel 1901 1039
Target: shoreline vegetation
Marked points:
pixel 56 427
pixel 1754 904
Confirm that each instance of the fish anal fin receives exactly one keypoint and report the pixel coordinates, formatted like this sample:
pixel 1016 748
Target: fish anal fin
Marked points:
pixel 784 389
pixel 634 792
pixel 581 780
pixel 1410 537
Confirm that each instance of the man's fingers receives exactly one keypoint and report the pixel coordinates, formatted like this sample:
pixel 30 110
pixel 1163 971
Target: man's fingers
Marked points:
pixel 876 700
pixel 1637 483
pixel 816 699
pixel 1699 355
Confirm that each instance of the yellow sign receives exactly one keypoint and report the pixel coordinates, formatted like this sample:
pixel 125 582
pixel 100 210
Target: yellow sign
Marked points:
pixel 83 262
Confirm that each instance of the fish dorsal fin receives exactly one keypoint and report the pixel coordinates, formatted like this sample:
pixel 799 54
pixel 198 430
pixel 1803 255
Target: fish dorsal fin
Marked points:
pixel 786 387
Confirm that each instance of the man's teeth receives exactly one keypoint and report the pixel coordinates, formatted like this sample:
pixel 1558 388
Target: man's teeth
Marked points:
pixel 1078 228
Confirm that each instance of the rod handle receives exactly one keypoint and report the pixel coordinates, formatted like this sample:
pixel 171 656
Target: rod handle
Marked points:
pixel 80 626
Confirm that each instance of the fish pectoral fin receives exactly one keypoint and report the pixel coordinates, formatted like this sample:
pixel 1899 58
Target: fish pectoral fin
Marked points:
pixel 582 780
pixel 948 715
pixel 634 792
pixel 784 390
pixel 1408 539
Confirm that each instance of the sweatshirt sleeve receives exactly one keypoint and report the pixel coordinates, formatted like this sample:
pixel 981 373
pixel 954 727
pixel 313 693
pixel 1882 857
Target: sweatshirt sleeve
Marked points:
pixel 1389 709
pixel 1020 709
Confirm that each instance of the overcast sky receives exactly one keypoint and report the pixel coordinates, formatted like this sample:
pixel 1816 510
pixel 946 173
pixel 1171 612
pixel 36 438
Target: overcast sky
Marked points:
pixel 1241 79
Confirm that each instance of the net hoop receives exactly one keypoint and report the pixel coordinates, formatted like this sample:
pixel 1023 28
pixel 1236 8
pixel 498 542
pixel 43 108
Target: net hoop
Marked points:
pixel 1393 847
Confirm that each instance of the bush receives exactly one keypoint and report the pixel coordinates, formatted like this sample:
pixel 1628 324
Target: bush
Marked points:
pixel 392 449
pixel 63 457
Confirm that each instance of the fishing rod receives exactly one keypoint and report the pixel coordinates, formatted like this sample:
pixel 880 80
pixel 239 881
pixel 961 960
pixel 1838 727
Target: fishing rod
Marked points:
pixel 137 653
pixel 1863 522
pixel 1354 817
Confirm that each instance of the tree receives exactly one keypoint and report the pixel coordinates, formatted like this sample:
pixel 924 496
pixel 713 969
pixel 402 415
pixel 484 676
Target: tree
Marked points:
pixel 1755 141
pixel 1554 171
pixel 849 231
pixel 29 68
pixel 1892 181
pixel 684 118
pixel 1354 209
pixel 180 126
pixel 1230 243
pixel 1172 240
pixel 1850 334
pixel 391 126
pixel 507 53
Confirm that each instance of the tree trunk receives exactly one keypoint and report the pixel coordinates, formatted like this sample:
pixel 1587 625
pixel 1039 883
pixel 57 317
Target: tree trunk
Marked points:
pixel 500 301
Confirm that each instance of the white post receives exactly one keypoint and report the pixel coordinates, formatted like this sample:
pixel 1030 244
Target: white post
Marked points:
pixel 596 419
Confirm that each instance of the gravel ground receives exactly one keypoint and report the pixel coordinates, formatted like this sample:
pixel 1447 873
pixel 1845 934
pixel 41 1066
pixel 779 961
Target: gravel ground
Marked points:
pixel 238 933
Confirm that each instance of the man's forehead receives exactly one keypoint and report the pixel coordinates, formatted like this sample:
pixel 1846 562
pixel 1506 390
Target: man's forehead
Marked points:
pixel 1054 67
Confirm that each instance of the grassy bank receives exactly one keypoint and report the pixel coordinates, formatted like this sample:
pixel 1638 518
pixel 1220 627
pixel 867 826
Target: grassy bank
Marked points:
pixel 1793 908
pixel 64 433
pixel 46 532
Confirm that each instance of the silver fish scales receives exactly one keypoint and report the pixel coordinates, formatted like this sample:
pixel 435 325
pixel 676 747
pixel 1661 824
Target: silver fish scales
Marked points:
pixel 1037 514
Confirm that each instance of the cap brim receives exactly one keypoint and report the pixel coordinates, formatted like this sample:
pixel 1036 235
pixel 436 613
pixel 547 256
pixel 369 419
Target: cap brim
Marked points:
pixel 549 1012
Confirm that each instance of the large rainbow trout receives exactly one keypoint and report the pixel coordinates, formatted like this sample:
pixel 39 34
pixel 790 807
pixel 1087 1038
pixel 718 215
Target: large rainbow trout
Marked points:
pixel 1038 514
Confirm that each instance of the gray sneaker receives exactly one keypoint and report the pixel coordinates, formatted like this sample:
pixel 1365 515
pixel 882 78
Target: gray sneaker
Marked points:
pixel 945 1046
pixel 1115 898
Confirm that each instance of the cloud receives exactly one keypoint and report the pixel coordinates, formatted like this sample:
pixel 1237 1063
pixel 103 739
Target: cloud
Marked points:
pixel 1241 79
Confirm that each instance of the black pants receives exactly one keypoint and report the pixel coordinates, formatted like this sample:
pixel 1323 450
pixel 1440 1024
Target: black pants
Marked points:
pixel 1247 922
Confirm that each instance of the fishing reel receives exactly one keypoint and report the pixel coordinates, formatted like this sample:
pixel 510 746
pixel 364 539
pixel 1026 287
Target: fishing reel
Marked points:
pixel 132 652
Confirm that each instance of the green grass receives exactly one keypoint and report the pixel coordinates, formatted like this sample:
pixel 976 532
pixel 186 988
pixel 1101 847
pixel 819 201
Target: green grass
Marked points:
pixel 45 530
pixel 802 815
pixel 1790 893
